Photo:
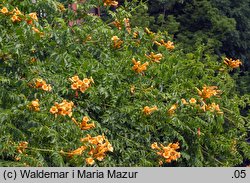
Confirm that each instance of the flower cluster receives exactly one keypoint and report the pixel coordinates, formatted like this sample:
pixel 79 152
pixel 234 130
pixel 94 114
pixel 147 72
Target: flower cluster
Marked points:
pixel 34 105
pixel 110 3
pixel 232 63
pixel 203 106
pixel 138 67
pixel 154 57
pixel 18 16
pixel 41 84
pixel 97 148
pixel 117 42
pixel 169 45
pixel 208 91
pixel 147 110
pixel 81 85
pixel 84 124
pixel 168 152
pixel 21 147
pixel 212 108
pixel 64 108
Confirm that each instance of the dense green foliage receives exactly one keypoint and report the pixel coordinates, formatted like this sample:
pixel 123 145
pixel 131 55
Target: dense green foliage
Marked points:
pixel 116 99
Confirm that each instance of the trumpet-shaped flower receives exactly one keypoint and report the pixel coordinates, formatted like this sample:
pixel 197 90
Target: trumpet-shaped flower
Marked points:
pixel 155 146
pixel 184 102
pixel 110 3
pixel 33 16
pixel 4 10
pixel 16 11
pixel 90 161
pixel 192 101
pixel 77 152
pixel 172 109
pixel 74 79
pixel 15 18
pixel 147 110
pixel 138 67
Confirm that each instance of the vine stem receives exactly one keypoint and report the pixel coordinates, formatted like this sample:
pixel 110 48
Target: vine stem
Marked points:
pixel 46 150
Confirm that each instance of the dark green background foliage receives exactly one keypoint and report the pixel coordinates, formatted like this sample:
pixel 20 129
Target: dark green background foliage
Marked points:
pixel 227 22
pixel 64 52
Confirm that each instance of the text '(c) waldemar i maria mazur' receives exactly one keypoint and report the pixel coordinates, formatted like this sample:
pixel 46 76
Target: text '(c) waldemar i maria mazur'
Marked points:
pixel 79 174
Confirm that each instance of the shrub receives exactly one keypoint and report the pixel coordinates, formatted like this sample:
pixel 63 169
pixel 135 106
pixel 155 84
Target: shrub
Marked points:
pixel 186 102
